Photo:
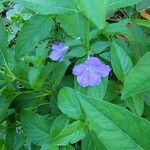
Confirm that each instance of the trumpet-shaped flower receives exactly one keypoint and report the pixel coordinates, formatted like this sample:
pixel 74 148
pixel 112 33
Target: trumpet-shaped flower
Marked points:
pixel 58 52
pixel 91 72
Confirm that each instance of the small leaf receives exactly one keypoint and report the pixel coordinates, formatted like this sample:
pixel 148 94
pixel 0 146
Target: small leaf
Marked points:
pixel 120 61
pixel 99 47
pixel 77 52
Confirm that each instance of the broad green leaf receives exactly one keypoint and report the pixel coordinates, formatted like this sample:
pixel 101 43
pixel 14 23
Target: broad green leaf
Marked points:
pixel 136 104
pixel 3 36
pixel 36 127
pixel 110 122
pixel 68 105
pixel 95 10
pixel 59 71
pixel 115 4
pixel 138 79
pixel 144 23
pixel 120 61
pixel 33 31
pixel 71 133
pixel 49 6
pixel 74 25
pixel 78 51
pixel 99 47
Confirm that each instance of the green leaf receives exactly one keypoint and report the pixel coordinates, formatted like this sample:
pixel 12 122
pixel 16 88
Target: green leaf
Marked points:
pixel 120 61
pixel 119 28
pixel 33 31
pixel 3 36
pixel 4 105
pixel 58 125
pixel 68 147
pixel 92 142
pixel 78 51
pixel 76 27
pixel 115 4
pixel 98 91
pixel 110 122
pixel 36 127
pixel 59 71
pixel 111 91
pixel 136 104
pixel 95 10
pixel 138 80
pixel 71 133
pixel 36 77
pixel 99 47
pixel 68 105
pixel 144 23
pixel 49 6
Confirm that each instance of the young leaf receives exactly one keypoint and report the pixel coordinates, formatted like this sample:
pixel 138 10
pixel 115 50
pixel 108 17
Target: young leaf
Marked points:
pixel 110 122
pixel 95 10
pixel 99 47
pixel 78 51
pixel 138 80
pixel 33 31
pixel 120 61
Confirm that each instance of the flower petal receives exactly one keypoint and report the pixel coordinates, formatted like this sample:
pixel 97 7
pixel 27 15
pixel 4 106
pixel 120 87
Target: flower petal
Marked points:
pixel 77 70
pixel 103 70
pixel 54 55
pixel 88 78
pixel 94 61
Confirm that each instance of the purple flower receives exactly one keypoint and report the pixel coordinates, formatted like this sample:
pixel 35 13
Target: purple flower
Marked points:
pixel 58 52
pixel 90 72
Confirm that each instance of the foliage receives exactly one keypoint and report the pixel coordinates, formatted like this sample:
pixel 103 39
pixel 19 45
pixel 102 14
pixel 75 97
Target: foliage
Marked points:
pixel 43 106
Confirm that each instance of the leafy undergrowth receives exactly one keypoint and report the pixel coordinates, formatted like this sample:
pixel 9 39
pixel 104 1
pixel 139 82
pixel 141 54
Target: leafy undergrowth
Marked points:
pixel 74 75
